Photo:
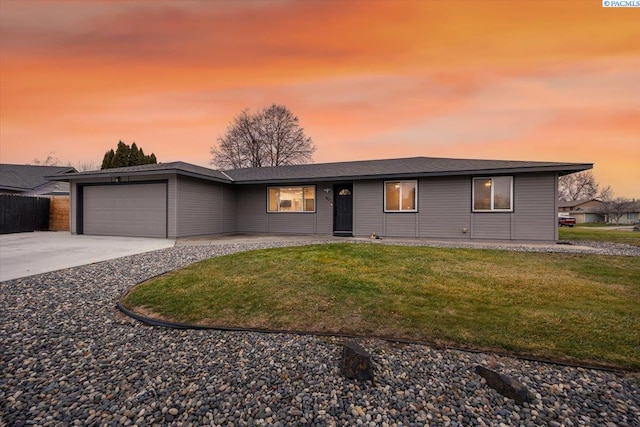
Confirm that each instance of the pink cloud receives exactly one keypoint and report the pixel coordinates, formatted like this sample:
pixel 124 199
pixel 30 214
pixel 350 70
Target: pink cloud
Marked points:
pixel 523 80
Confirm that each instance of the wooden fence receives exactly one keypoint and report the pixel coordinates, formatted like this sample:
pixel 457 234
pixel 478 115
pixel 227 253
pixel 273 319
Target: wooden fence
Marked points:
pixel 20 213
pixel 59 213
pixel 29 213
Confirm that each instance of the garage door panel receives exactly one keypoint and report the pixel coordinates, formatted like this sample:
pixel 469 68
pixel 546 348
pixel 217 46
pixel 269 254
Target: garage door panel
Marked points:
pixel 126 210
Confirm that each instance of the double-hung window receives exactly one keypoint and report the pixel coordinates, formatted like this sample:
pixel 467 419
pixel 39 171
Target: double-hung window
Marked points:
pixel 291 199
pixel 401 196
pixel 493 194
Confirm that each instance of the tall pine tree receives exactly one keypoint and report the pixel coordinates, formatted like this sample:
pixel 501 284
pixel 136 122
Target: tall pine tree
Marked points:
pixel 108 158
pixel 126 156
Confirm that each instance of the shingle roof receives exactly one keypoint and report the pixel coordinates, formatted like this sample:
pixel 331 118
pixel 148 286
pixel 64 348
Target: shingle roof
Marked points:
pixel 28 177
pixel 397 168
pixel 181 168
pixel 366 169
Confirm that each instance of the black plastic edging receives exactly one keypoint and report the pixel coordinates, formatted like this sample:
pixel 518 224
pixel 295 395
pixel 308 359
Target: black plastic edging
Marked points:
pixel 176 325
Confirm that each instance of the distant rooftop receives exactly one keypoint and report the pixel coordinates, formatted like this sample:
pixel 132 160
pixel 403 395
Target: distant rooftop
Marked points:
pixel 21 178
pixel 573 203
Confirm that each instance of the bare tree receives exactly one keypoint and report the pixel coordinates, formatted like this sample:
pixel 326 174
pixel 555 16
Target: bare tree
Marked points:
pixel 614 209
pixel 270 137
pixel 83 166
pixel 580 186
pixel 606 193
pixel 51 160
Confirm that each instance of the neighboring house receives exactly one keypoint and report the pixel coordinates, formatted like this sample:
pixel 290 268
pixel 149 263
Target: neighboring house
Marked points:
pixel 29 180
pixel 630 218
pixel 584 211
pixel 412 197
pixel 594 210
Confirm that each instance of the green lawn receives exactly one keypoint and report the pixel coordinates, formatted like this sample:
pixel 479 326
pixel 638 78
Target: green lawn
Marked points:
pixel 560 306
pixel 599 234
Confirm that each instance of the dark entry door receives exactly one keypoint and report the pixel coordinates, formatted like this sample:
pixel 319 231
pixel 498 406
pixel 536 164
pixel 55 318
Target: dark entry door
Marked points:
pixel 343 209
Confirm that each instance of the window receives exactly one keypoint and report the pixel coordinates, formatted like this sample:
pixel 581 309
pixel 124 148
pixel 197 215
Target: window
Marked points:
pixel 400 196
pixel 493 194
pixel 291 199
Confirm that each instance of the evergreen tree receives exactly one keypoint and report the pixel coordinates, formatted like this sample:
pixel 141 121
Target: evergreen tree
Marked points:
pixel 135 156
pixel 126 156
pixel 107 159
pixel 121 158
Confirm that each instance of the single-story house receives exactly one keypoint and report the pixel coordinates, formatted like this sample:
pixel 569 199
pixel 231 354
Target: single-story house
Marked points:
pixel 594 210
pixel 410 197
pixel 584 210
pixel 29 180
pixel 629 218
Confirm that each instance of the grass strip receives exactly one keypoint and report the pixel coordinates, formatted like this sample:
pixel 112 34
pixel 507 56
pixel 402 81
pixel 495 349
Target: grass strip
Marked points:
pixel 599 234
pixel 560 306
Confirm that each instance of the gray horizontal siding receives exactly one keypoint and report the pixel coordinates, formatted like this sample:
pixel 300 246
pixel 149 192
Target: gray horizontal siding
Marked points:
pixel 535 217
pixel 295 223
pixel 495 225
pixel 73 208
pixel 324 208
pixel 252 209
pixel 229 210
pixel 367 207
pixel 445 208
pixel 199 207
pixel 400 224
pixel 172 207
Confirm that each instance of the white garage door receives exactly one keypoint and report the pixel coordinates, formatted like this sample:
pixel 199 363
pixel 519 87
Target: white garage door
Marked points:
pixel 125 210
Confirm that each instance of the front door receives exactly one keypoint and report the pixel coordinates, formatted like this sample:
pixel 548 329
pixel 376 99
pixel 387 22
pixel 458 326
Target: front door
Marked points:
pixel 343 210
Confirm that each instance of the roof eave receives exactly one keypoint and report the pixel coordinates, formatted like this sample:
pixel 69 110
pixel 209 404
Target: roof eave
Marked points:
pixel 89 175
pixel 10 188
pixel 561 169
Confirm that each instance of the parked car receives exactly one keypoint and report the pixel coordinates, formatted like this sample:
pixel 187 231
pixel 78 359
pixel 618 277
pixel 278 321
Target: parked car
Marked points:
pixel 566 221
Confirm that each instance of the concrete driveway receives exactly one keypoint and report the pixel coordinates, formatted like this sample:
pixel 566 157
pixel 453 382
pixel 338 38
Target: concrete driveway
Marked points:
pixel 26 254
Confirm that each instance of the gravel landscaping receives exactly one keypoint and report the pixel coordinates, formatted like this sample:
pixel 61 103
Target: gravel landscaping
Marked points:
pixel 69 357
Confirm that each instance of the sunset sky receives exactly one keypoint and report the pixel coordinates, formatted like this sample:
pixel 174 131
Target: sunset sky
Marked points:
pixel 521 80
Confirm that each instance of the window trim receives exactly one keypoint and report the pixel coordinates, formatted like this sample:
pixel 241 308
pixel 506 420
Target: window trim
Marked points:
pixel 492 209
pixel 302 186
pixel 415 196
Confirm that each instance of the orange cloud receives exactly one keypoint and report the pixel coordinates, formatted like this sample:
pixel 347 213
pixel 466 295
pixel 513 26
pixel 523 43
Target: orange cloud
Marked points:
pixel 367 79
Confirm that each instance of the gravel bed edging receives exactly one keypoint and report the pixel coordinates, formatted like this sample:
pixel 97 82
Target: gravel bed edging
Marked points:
pixel 149 321
pixel 68 357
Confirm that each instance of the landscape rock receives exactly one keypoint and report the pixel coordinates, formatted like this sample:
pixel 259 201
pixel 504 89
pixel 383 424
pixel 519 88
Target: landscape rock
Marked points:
pixel 356 362
pixel 506 385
